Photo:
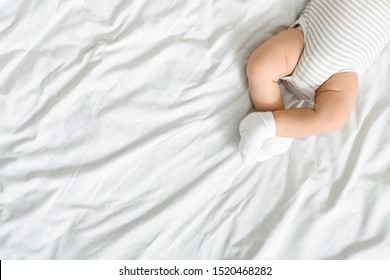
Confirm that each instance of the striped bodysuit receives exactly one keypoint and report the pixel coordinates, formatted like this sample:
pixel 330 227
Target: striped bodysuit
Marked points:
pixel 340 36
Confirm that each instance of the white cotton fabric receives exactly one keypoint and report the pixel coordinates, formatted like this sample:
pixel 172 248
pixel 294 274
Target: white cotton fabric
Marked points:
pixel 340 36
pixel 119 140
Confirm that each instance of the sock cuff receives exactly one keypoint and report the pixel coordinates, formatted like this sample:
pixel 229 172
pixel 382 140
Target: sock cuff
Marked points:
pixel 269 121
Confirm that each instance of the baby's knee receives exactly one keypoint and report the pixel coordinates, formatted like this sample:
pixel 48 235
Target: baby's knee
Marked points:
pixel 338 121
pixel 261 66
pixel 333 120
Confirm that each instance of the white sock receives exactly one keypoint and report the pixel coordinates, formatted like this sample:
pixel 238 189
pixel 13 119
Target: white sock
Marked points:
pixel 258 141
pixel 272 147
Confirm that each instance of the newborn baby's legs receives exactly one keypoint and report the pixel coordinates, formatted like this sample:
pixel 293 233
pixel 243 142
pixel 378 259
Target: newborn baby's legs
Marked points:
pixel 275 59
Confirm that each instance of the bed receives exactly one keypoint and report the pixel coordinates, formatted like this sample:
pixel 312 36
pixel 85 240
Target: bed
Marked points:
pixel 119 140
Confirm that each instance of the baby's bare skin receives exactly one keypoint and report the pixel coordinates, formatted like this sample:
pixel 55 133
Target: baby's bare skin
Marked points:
pixel 277 58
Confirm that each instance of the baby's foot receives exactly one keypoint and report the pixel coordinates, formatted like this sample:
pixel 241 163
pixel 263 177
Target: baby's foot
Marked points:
pixel 272 147
pixel 258 141
pixel 255 128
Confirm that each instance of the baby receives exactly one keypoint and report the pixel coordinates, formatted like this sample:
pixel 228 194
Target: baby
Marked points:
pixel 320 59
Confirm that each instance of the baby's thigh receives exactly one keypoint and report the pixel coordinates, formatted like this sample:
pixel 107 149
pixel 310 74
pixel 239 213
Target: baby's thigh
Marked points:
pixel 346 83
pixel 279 55
pixel 337 96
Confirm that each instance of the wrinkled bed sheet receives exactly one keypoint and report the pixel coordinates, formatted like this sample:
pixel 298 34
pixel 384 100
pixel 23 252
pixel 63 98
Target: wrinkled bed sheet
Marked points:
pixel 119 140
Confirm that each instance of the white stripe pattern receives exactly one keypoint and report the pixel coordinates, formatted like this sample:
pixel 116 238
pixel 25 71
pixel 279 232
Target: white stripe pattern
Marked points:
pixel 340 36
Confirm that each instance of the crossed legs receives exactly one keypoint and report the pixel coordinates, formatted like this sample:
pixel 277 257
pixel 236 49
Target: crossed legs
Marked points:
pixel 277 58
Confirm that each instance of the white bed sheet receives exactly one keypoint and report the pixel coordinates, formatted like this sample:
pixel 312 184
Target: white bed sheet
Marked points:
pixel 119 140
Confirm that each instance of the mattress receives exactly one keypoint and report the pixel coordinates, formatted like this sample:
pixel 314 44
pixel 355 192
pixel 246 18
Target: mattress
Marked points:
pixel 119 140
